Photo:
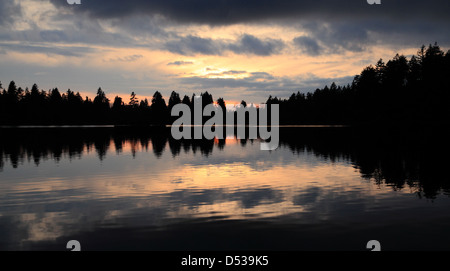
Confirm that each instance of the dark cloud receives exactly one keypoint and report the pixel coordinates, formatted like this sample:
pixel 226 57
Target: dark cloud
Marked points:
pixel 330 26
pixel 237 11
pixel 334 38
pixel 9 12
pixel 249 44
pixel 143 26
pixel 246 44
pixel 308 45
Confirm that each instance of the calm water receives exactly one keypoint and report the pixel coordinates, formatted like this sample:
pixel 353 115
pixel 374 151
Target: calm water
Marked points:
pixel 136 189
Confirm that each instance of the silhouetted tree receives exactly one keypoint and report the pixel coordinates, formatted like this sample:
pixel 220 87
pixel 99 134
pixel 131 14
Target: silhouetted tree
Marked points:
pixel 186 100
pixel 206 98
pixel 159 109
pixel 101 107
pixel 134 102
pixel 173 100
pixel 100 101
pixel 144 104
pixel 222 105
pixel 118 103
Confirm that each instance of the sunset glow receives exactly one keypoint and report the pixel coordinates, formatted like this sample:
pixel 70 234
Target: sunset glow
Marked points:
pixel 57 45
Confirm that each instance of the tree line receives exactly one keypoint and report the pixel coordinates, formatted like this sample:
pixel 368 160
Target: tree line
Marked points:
pixel 401 91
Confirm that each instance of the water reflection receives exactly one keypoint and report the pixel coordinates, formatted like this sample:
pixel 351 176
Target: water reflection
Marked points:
pixel 152 192
pixel 417 164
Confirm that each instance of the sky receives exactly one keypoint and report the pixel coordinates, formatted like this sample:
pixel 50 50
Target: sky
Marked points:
pixel 235 49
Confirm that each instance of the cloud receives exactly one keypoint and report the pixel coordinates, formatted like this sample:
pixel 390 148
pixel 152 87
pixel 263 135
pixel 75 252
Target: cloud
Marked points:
pixel 326 27
pixel 49 49
pixel 335 38
pixel 180 63
pixel 249 44
pixel 265 82
pixel 67 29
pixel 192 45
pixel 308 45
pixel 333 26
pixel 224 73
pixel 245 44
pixel 129 58
pixel 261 75
pixel 53 35
pixel 232 72
pixel 236 11
pixel 9 12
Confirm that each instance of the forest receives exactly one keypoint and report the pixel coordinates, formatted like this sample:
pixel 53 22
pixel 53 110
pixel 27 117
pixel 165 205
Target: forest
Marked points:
pixel 399 92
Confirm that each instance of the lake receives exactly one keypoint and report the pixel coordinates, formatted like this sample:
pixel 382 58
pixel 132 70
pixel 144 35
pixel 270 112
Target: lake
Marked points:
pixel 324 188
